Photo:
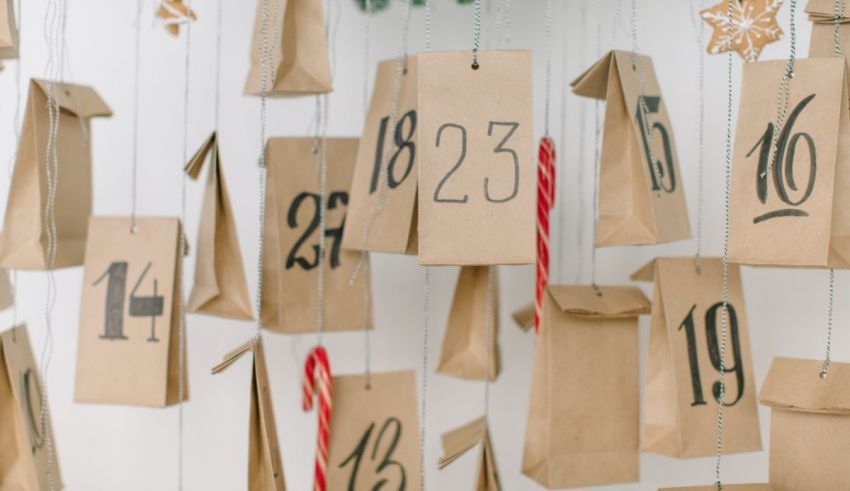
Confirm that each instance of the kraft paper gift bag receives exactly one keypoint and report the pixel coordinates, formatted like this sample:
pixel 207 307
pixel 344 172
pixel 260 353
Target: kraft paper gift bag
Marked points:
pixel 220 287
pixel 292 249
pixel 683 363
pixel 8 30
pixel 382 215
pixel 374 433
pixel 7 291
pixel 298 50
pixel 477 161
pixel 787 205
pixel 460 440
pixel 128 347
pixel 809 425
pixel 23 455
pixel 822 15
pixel 473 326
pixel 641 198
pixel 23 243
pixel 577 434
pixel 524 317
pixel 726 487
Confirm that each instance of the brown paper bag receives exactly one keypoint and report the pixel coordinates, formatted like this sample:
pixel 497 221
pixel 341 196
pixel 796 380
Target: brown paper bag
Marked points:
pixel 726 487
pixel 7 291
pixel 474 312
pixel 8 30
pixel 524 317
pixel 292 249
pixel 130 316
pixel 477 163
pixel 794 212
pixel 382 215
pixel 23 243
pixel 822 15
pixel 682 379
pixel 641 198
pixel 460 440
pixel 23 454
pixel 809 425
pixel 378 446
pixel 298 50
pixel 578 435
pixel 220 286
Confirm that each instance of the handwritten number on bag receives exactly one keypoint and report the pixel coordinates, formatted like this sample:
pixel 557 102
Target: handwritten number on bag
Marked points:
pixel 402 143
pixel 335 199
pixel 455 167
pixel 28 381
pixel 658 169
pixel 140 306
pixel 381 461
pixel 783 165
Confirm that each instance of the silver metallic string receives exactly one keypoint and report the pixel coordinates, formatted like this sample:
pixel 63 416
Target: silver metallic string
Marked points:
pixel 322 153
pixel 699 26
pixel 135 142
pixel 16 122
pixel 423 411
pixel 784 94
pixel 427 25
pixel 548 65
pixel 264 92
pixel 476 33
pixel 561 182
pixel 367 336
pixel 597 145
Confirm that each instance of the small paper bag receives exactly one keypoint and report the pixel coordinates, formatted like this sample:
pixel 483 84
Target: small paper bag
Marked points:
pixel 473 318
pixel 23 243
pixel 822 15
pixel 265 472
pixel 788 205
pixel 460 440
pixel 128 347
pixel 374 434
pixel 578 435
pixel 220 286
pixel 682 379
pixel 477 164
pixel 809 425
pixel 382 216
pixel 8 30
pixel 641 198
pixel 292 250
pixel 23 454
pixel 300 64
pixel 726 487
pixel 524 317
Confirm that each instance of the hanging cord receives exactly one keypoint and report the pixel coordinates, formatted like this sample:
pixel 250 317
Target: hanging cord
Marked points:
pixel 367 296
pixel 264 88
pixel 582 159
pixel 503 24
pixel 489 325
pixel 597 132
pixel 476 33
pixel 16 122
pixel 320 149
pixel 784 94
pixel 217 110
pixel 699 26
pixel 644 111
pixel 135 156
pixel 428 15
pixel 548 65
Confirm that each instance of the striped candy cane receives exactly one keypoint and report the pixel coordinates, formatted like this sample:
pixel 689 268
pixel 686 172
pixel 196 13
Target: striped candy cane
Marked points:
pixel 545 201
pixel 318 357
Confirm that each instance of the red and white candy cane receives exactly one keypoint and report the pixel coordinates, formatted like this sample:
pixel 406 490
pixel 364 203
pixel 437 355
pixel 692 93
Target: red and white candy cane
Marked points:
pixel 318 358
pixel 545 201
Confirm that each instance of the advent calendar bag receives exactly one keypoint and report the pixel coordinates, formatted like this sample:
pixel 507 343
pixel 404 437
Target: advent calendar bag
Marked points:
pixel 682 371
pixel 578 435
pixel 291 246
pixel 374 433
pixel 8 30
pixel 822 15
pixel 23 243
pixel 23 453
pixel 477 164
pixel 298 49
pixel 641 198
pixel 220 287
pixel 460 440
pixel 128 347
pixel 788 204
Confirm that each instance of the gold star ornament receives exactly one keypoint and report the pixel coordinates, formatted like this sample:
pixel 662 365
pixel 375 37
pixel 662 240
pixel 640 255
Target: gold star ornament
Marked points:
pixel 173 13
pixel 753 27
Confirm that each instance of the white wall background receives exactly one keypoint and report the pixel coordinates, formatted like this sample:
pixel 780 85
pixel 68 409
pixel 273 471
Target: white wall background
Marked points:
pixel 110 448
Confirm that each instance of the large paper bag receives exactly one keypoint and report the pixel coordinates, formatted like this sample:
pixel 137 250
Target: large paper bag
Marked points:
pixel 220 287
pixel 641 198
pixel 477 164
pixel 822 15
pixel 682 370
pixel 8 30
pixel 460 440
pixel 290 304
pixel 578 434
pixel 788 204
pixel 128 347
pixel 809 425
pixel 726 487
pixel 382 215
pixel 473 326
pixel 298 49
pixel 374 434
pixel 23 243
pixel 23 452
pixel 265 472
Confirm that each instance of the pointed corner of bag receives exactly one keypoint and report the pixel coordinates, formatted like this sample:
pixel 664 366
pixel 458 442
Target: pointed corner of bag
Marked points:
pixel 593 82
pixel 645 272
pixel 196 163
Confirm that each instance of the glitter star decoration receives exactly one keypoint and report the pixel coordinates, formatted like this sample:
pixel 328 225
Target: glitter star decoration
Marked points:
pixel 753 27
pixel 172 13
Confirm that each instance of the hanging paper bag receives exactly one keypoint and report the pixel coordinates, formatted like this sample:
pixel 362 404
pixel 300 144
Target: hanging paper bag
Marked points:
pixel 128 347
pixel 809 425
pixel 382 215
pixel 477 161
pixel 473 327
pixel 726 487
pixel 220 287
pixel 8 30
pixel 7 296
pixel 265 472
pixel 24 463
pixel 787 204
pixel 682 379
pixel 292 250
pixel 641 198
pixel 578 435
pixel 822 15
pixel 460 440
pixel 23 243
pixel 524 317
pixel 378 447
pixel 298 49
